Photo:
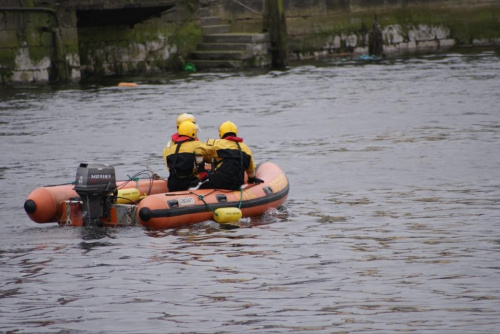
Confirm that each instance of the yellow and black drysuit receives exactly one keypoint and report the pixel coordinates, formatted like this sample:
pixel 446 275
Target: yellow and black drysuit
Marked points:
pixel 179 157
pixel 230 158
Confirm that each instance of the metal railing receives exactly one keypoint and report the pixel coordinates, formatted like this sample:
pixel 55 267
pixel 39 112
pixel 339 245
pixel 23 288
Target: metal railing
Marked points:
pixel 250 9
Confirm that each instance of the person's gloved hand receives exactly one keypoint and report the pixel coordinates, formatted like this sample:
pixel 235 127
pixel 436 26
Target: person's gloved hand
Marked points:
pixel 255 180
pixel 193 184
pixel 199 160
pixel 202 176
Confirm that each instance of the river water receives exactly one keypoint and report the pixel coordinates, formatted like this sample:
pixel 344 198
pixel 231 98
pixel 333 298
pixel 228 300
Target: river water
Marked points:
pixel 392 223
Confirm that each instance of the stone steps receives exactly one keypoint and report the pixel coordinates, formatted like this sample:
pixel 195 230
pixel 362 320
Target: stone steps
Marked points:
pixel 223 49
pixel 223 46
pixel 218 55
pixel 219 64
pixel 215 29
pixel 236 38
pixel 210 21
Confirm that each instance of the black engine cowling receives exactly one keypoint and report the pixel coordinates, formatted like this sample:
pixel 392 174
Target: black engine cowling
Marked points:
pixel 96 185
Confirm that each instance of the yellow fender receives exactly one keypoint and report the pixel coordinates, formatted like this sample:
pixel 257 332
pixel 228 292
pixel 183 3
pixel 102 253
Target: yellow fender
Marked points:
pixel 227 215
pixel 128 196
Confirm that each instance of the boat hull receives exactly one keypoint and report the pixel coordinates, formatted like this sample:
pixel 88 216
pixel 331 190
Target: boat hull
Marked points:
pixel 161 209
pixel 50 204
pixel 189 207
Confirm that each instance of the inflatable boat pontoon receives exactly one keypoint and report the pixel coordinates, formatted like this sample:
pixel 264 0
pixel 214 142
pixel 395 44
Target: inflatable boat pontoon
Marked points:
pixel 97 199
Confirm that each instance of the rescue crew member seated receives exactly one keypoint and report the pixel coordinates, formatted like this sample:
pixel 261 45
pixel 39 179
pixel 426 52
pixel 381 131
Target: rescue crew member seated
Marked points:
pixel 182 118
pixel 230 158
pixel 179 157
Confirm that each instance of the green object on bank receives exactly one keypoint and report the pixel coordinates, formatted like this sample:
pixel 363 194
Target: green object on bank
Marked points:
pixel 189 67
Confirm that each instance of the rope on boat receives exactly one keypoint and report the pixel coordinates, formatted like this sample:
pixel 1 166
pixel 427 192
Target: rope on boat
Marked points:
pixel 201 197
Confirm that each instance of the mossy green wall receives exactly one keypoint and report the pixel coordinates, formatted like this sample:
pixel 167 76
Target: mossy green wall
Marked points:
pixel 312 24
pixel 40 42
pixel 153 46
pixel 41 47
pixel 34 47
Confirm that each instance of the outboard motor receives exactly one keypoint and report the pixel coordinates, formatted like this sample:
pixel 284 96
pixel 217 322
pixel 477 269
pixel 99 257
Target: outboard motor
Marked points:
pixel 96 185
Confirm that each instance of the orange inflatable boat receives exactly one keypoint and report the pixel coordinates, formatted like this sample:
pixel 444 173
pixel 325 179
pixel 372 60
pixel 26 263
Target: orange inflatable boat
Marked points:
pixel 97 199
pixel 63 203
pixel 188 207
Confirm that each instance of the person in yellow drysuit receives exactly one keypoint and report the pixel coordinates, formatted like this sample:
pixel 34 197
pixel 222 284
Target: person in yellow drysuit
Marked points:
pixel 230 158
pixel 182 118
pixel 179 157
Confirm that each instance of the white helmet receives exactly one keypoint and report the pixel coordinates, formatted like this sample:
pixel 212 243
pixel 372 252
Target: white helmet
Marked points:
pixel 186 117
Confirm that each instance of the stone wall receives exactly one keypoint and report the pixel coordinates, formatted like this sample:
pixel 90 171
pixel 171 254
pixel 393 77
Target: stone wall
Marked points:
pixel 45 44
pixel 320 27
pixel 37 45
pixel 154 45
pixel 41 42
pixel 150 47
pixel 248 9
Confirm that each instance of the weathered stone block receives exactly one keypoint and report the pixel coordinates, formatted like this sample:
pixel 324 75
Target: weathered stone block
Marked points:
pixel 337 5
pixel 8 39
pixel 24 60
pixel 427 45
pixel 446 43
pixel 393 34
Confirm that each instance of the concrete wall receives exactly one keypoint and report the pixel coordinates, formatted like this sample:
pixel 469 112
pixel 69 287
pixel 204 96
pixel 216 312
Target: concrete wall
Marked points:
pixel 46 45
pixel 43 44
pixel 246 9
pixel 320 27
pixel 154 45
pixel 151 47
pixel 37 45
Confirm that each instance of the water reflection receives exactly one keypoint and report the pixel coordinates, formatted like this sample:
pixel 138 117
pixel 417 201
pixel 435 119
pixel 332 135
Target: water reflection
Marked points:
pixel 208 228
pixel 96 233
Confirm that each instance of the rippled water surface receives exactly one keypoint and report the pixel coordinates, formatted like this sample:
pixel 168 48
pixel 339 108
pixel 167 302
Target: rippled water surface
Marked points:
pixel 392 223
